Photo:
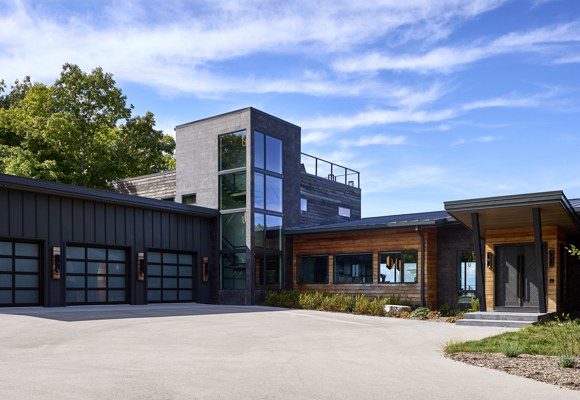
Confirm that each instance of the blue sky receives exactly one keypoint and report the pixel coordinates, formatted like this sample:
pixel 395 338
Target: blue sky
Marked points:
pixel 431 100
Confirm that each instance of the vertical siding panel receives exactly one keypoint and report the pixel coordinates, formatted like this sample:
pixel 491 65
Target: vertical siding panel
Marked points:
pixel 4 212
pixel 120 225
pixel 157 229
pixel 148 228
pixel 130 227
pixel 99 223
pixel 29 216
pixel 54 222
pixel 89 218
pixel 66 218
pixel 197 233
pixel 110 224
pixel 16 213
pixel 173 239
pixel 78 221
pixel 189 232
pixel 165 231
pixel 181 221
pixel 42 216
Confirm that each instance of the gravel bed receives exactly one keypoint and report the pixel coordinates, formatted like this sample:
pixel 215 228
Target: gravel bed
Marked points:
pixel 539 368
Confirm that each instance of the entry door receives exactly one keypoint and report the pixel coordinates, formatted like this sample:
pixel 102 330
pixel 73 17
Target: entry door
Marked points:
pixel 517 283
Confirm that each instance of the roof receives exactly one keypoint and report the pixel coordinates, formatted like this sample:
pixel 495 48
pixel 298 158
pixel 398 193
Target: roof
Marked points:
pixel 234 112
pixel 402 221
pixel 575 203
pixel 516 210
pixel 79 192
pixel 146 176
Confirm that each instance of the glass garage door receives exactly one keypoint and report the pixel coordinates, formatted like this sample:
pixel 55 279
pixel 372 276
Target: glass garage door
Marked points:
pixel 19 274
pixel 95 275
pixel 169 277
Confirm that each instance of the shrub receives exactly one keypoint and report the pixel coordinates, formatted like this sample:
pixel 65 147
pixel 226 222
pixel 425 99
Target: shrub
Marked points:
pixel 420 313
pixel 567 336
pixel 510 349
pixel 445 309
pixel 377 306
pixel 566 362
pixel 361 305
pixel 434 315
pixel 474 306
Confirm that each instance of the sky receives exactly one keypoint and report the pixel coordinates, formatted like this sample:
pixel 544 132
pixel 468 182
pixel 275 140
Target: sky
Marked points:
pixel 431 100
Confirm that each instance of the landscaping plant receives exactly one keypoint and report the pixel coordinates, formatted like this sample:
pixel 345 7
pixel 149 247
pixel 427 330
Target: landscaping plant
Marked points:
pixel 567 336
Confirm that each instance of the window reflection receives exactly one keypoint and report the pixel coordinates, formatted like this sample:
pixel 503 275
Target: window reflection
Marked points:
pixel 273 194
pixel 233 231
pixel 259 190
pixel 273 232
pixel 398 267
pixel 353 268
pixel 233 191
pixel 273 154
pixel 233 271
pixel 259 228
pixel 258 150
pixel 232 150
pixel 466 277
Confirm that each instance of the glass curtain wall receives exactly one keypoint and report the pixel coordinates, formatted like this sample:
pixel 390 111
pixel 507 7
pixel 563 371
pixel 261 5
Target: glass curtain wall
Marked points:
pixel 232 197
pixel 268 214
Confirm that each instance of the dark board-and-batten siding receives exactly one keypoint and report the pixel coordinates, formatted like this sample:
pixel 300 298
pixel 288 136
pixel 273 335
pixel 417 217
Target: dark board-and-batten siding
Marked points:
pixel 53 221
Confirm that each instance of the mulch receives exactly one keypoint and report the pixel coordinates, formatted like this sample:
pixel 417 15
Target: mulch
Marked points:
pixel 539 368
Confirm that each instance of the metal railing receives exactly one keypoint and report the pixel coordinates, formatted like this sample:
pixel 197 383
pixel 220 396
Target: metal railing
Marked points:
pixel 326 169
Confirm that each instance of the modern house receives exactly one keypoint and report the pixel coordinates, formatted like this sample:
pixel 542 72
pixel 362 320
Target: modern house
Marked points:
pixel 245 212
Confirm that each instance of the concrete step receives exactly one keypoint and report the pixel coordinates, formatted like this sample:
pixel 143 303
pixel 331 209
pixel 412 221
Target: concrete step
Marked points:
pixel 502 323
pixel 510 316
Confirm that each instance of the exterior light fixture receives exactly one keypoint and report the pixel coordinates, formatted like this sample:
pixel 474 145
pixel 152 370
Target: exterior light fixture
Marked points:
pixel 489 259
pixel 140 266
pixel 56 263
pixel 204 262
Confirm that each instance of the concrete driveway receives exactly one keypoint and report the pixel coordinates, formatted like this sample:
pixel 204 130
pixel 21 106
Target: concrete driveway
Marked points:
pixel 221 352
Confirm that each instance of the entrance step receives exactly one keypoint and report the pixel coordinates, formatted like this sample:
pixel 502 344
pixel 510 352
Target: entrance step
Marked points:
pixel 504 319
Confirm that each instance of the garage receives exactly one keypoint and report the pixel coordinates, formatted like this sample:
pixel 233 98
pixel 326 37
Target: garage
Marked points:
pixel 96 275
pixel 169 277
pixel 19 274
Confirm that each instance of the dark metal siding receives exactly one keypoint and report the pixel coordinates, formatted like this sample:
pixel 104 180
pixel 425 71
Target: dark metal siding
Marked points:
pixel 54 220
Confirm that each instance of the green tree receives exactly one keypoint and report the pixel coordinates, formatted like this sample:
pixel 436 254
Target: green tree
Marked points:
pixel 78 131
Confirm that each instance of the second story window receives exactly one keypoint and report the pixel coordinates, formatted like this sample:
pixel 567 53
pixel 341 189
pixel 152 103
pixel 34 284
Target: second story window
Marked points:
pixel 232 151
pixel 303 205
pixel 187 199
pixel 344 212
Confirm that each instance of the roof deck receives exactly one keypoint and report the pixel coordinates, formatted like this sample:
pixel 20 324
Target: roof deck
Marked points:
pixel 329 170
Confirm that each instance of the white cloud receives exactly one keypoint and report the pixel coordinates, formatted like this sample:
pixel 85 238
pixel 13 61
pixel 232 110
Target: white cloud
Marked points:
pixel 482 139
pixel 315 137
pixel 448 59
pixel 409 176
pixel 385 140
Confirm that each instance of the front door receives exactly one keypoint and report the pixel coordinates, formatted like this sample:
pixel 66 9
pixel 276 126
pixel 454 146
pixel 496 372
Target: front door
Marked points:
pixel 516 281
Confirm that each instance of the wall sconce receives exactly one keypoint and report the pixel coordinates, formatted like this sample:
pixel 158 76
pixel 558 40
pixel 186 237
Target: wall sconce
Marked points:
pixel 56 263
pixel 489 259
pixel 140 266
pixel 551 258
pixel 204 262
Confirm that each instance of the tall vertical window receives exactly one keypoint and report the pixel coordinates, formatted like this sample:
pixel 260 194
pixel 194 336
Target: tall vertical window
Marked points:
pixel 268 271
pixel 398 267
pixel 233 231
pixel 465 277
pixel 267 231
pixel 232 150
pixel 233 271
pixel 273 154
pixel 313 269
pixel 233 191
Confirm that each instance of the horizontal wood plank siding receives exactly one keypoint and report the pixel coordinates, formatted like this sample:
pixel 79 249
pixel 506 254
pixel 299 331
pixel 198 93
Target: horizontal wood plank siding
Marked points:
pixel 158 186
pixel 372 242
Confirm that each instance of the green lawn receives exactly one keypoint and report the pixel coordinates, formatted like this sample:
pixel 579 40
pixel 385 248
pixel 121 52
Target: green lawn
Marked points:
pixel 533 339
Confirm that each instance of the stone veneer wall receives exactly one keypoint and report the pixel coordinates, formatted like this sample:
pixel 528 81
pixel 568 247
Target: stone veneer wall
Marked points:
pixel 324 197
pixel 156 186
pixel 450 240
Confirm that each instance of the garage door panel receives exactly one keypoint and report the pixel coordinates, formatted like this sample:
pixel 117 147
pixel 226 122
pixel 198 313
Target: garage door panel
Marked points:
pixel 169 277
pixel 19 274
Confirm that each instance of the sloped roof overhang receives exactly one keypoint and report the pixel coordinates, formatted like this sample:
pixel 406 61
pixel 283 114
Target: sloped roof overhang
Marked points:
pixel 516 211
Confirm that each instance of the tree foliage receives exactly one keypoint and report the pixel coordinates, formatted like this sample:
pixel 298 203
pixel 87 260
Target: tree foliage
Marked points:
pixel 78 131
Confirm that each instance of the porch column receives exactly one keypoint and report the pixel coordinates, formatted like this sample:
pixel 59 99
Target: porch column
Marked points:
pixel 540 267
pixel 479 264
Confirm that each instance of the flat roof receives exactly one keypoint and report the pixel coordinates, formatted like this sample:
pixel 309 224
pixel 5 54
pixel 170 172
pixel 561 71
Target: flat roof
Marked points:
pixel 516 210
pixel 401 221
pixel 234 112
pixel 79 192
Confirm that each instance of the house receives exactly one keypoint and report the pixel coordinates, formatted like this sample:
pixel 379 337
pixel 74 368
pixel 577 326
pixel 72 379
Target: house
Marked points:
pixel 245 212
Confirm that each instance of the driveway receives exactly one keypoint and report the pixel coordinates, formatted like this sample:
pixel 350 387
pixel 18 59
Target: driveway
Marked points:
pixel 198 351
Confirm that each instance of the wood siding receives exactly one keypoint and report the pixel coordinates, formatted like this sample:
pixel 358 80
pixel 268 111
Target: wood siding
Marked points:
pixel 157 186
pixel 551 235
pixel 373 242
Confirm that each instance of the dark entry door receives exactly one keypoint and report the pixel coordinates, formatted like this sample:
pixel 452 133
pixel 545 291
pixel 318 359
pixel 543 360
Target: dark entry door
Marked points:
pixel 517 283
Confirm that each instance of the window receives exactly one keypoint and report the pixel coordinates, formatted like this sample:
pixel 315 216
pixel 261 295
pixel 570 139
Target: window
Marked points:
pixel 465 277
pixel 169 277
pixel 267 231
pixel 267 153
pixel 312 269
pixel 232 151
pixel 170 199
pixel 267 192
pixel 189 199
pixel 233 271
pixel 398 267
pixel 19 274
pixel 268 269
pixel 233 231
pixel 232 191
pixel 344 212
pixel 303 205
pixel 353 268
pixel 95 275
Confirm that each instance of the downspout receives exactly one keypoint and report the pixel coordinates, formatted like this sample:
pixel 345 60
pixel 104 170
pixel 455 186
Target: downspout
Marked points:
pixel 422 266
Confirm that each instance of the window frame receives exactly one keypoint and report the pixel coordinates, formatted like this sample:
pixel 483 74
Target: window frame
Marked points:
pixel 300 268
pixel 380 253
pixel 335 278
